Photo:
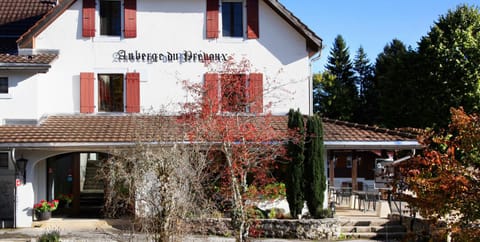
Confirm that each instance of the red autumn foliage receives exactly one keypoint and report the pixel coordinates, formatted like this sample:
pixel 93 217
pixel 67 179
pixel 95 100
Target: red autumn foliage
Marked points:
pixel 445 179
pixel 245 143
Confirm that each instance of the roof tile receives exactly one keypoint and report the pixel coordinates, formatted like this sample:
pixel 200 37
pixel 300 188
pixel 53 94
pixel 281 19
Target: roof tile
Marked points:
pixel 124 128
pixel 27 59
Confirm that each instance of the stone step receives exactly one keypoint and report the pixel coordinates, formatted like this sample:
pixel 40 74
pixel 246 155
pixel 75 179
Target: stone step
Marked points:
pixel 371 221
pixel 390 236
pixel 375 229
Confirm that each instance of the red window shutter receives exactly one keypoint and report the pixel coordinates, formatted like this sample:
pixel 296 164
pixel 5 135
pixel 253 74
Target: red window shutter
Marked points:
pixel 210 101
pixel 255 93
pixel 212 19
pixel 130 13
pixel 88 18
pixel 86 92
pixel 252 19
pixel 133 92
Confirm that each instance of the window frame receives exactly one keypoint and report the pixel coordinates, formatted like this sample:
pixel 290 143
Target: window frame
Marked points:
pixel 9 165
pixel 244 20
pixel 98 92
pixel 98 22
pixel 6 95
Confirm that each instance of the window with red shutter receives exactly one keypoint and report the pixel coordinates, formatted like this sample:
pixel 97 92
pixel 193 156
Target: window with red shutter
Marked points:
pixel 212 19
pixel 233 93
pixel 130 21
pixel 133 92
pixel 88 18
pixel 86 92
pixel 252 19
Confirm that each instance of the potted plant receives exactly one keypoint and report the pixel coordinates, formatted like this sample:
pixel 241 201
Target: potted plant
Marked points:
pixel 44 209
pixel 65 200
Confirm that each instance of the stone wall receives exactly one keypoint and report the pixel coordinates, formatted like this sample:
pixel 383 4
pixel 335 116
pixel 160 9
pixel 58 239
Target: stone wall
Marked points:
pixel 312 229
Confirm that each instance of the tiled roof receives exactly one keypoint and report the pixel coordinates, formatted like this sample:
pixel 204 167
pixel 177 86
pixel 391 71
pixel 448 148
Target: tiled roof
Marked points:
pixel 16 17
pixel 123 128
pixel 336 130
pixel 27 59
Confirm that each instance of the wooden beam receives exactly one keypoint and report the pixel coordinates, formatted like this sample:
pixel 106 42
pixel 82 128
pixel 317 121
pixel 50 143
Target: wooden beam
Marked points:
pixel 354 173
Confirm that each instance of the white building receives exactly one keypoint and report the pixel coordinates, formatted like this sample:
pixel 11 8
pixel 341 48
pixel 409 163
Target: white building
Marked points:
pixel 72 72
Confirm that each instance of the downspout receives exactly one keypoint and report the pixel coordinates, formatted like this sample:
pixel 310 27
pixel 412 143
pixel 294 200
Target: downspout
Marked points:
pixel 15 190
pixel 401 160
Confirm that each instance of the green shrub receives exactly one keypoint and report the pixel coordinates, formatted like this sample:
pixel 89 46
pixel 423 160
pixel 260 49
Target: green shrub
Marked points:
pixel 52 236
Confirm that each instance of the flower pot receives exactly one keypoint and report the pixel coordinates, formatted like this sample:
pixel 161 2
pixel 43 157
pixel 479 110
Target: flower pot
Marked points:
pixel 43 215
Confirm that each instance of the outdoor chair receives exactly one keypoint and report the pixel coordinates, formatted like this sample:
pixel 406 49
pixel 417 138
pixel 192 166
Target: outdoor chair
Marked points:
pixel 344 193
pixel 371 197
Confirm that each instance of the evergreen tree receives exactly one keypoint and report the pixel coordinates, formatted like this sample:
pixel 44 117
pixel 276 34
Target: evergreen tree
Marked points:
pixel 314 168
pixel 295 152
pixel 342 98
pixel 367 108
pixel 397 85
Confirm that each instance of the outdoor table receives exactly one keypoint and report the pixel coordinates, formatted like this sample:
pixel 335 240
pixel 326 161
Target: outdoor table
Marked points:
pixel 364 196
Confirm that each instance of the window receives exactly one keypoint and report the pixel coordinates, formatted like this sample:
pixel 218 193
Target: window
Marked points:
pixel 4 160
pixel 349 161
pixel 3 85
pixel 115 15
pixel 232 19
pixel 115 93
pixel 110 93
pixel 110 18
pixel 233 93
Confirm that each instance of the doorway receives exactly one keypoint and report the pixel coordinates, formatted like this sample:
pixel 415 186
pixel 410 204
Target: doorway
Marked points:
pixel 73 179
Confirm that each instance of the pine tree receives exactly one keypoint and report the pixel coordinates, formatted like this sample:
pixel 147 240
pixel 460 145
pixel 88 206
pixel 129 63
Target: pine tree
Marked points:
pixel 343 96
pixel 398 86
pixel 295 152
pixel 314 168
pixel 367 108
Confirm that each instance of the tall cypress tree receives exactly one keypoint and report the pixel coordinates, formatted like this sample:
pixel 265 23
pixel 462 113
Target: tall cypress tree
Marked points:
pixel 295 150
pixel 314 168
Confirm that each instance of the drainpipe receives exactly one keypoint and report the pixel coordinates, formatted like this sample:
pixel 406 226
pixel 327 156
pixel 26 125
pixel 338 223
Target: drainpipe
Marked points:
pixel 15 190
pixel 401 160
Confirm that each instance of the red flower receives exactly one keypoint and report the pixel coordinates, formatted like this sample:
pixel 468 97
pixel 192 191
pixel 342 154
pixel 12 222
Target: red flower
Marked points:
pixel 45 206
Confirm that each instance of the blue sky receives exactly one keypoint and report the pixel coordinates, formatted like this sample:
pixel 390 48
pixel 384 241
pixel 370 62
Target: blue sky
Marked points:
pixel 369 23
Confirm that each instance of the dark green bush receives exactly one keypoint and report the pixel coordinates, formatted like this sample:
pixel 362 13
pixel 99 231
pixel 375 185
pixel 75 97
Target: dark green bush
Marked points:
pixel 52 236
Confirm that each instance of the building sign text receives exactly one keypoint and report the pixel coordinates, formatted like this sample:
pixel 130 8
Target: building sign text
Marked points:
pixel 169 57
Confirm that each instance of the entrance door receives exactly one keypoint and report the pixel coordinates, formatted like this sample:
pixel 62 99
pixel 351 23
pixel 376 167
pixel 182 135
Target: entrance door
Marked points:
pixel 60 180
pixel 74 175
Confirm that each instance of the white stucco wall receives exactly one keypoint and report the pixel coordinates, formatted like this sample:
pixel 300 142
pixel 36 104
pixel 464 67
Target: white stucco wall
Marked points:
pixel 162 26
pixel 21 101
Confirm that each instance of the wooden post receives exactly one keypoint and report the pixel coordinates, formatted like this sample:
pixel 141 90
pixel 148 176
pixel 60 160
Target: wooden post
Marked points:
pixel 76 184
pixel 331 172
pixel 354 173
